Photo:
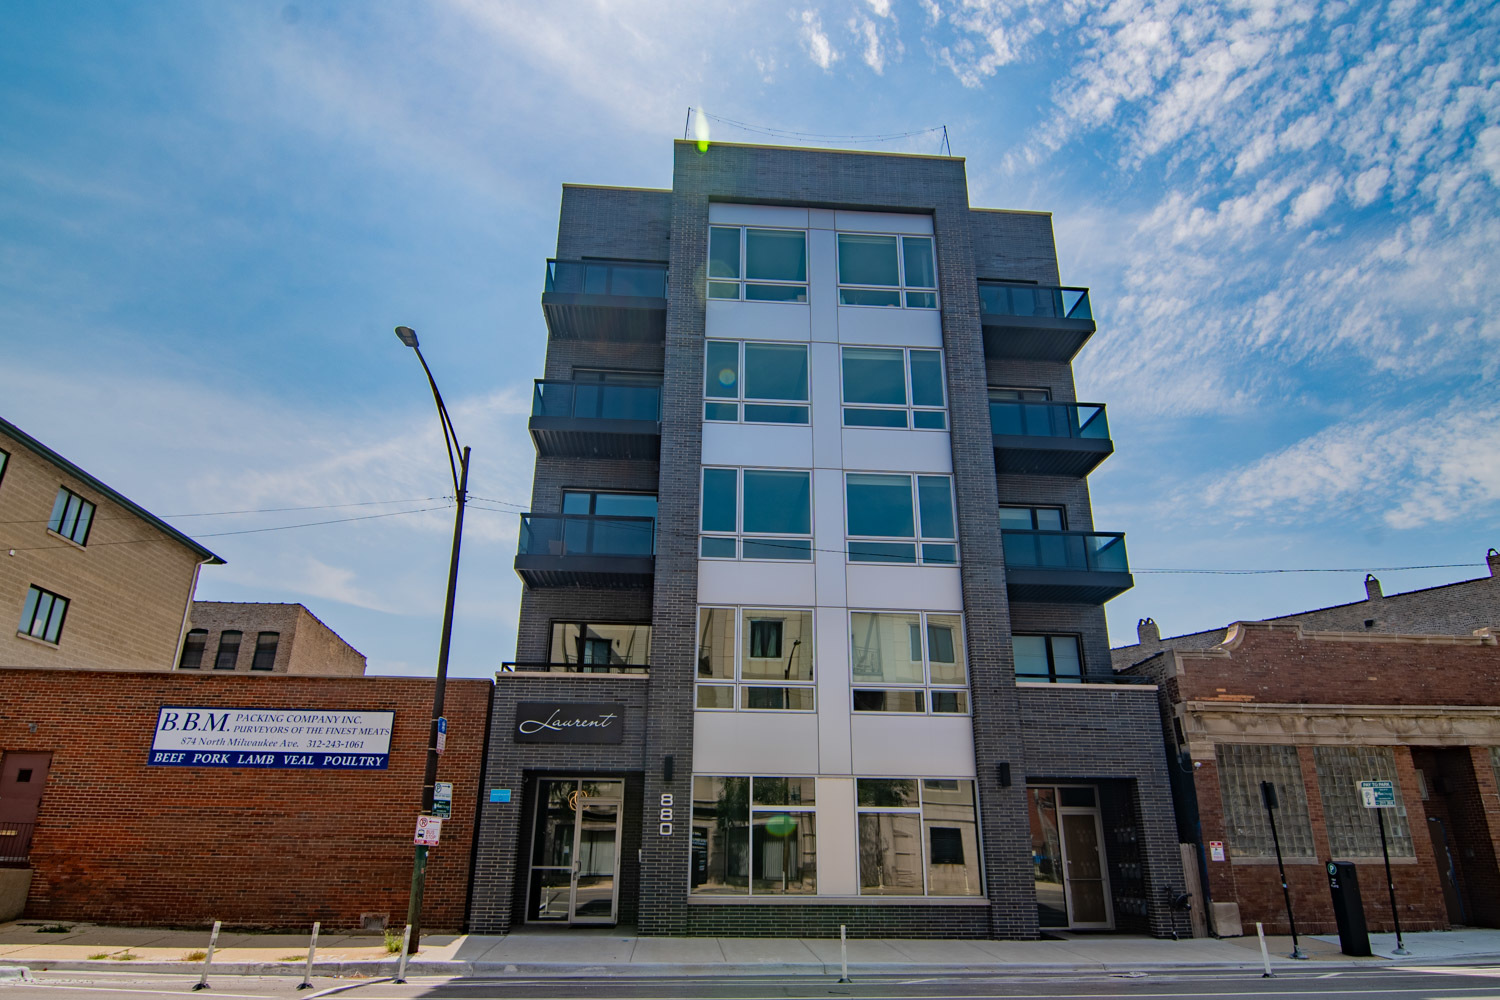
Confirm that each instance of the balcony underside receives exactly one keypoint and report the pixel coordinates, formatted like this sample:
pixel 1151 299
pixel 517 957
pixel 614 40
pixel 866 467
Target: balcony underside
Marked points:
pixel 1064 586
pixel 579 437
pixel 594 572
pixel 1026 455
pixel 1034 338
pixel 579 316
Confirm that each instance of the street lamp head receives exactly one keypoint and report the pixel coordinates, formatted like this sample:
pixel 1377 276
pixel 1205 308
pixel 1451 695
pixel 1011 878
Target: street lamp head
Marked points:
pixel 407 335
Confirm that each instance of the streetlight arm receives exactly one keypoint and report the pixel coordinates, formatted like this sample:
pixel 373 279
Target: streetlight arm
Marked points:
pixel 450 436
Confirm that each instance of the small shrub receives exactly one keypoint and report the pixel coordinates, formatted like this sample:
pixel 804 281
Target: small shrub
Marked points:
pixel 392 943
pixel 54 929
pixel 98 955
pixel 195 956
pixel 126 956
pixel 293 958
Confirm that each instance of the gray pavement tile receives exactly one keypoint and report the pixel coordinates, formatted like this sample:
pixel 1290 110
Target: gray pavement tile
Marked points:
pixel 766 951
pixel 682 951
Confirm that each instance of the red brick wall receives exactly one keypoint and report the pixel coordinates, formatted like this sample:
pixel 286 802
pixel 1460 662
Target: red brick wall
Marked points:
pixel 118 841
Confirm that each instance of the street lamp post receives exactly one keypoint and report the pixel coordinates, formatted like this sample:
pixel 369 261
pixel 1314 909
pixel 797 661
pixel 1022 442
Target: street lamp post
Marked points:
pixel 458 465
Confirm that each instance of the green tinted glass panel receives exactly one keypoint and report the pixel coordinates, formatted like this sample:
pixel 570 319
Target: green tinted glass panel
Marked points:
pixel 916 252
pixel 874 375
pixel 935 499
pixel 926 378
pixel 879 505
pixel 776 293
pixel 1065 656
pixel 868 297
pixel 778 502
pixel 1031 655
pixel 1016 519
pixel 921 300
pixel 929 420
pixel 775 255
pixel 856 417
pixel 719 499
pixel 764 414
pixel 723 290
pixel 721 368
pixel 882 552
pixel 717 548
pixel 721 411
pixel 776 371
pixel 940 555
pixel 867 260
pixel 778 548
pixel 723 252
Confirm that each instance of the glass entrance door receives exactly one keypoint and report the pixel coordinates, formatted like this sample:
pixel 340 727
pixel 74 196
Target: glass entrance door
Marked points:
pixel 575 851
pixel 1067 850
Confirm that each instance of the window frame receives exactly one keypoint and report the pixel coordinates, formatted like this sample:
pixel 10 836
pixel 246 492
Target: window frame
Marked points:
pixel 738 682
pixel 740 401
pixel 57 603
pixel 920 810
pixel 583 625
pixel 1062 512
pixel 62 506
pixel 909 408
pixel 219 652
pixel 901 288
pixel 1052 676
pixel 926 687
pixel 743 280
pixel 4 464
pixel 740 535
pixel 802 809
pixel 202 648
pixel 919 540
pixel 260 648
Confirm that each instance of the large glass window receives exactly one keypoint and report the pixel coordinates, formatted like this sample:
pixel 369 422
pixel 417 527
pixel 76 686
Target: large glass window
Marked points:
pixel 72 516
pixel 265 651
pixel 42 615
pixel 754 836
pixel 595 647
pixel 615 536
pixel 769 379
pixel 1032 519
pixel 917 836
pixel 1353 830
pixel 908 661
pixel 756 514
pixel 895 518
pixel 229 650
pixel 1052 658
pixel 1242 767
pixel 878 270
pixel 756 659
pixel 893 387
pixel 768 265
pixel 193 645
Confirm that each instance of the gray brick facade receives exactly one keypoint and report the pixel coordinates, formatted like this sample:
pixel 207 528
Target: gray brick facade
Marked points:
pixel 1107 736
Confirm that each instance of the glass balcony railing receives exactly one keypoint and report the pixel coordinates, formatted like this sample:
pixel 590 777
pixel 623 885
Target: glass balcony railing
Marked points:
pixel 1066 550
pixel 587 277
pixel 586 535
pixel 1083 421
pixel 1041 301
pixel 596 400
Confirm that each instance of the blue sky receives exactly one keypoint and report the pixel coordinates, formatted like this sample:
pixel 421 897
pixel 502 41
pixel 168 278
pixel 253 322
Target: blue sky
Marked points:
pixel 212 215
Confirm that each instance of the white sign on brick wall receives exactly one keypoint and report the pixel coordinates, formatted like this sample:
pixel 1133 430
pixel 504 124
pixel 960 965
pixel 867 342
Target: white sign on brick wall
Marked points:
pixel 315 739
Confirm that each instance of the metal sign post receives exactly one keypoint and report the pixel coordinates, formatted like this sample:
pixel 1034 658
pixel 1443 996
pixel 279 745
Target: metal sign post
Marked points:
pixel 1380 796
pixel 1268 796
pixel 208 959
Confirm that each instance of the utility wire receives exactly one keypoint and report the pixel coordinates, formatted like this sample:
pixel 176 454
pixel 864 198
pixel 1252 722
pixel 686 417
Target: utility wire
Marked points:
pixel 255 510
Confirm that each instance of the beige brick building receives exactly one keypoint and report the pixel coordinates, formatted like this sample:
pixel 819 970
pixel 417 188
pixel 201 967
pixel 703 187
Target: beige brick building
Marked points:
pixel 269 638
pixel 89 578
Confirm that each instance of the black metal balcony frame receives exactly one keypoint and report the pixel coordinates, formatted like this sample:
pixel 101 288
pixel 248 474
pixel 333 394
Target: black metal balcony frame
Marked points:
pixel 589 555
pixel 596 419
pixel 1034 322
pixel 1044 438
pixel 605 300
pixel 1069 570
pixel 512 667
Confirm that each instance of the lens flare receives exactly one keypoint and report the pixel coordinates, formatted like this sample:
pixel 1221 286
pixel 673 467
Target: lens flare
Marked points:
pixel 700 129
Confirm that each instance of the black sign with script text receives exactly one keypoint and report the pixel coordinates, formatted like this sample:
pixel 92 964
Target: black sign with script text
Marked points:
pixel 565 722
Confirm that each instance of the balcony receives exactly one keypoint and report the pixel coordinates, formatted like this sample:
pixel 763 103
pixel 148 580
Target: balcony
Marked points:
pixel 635 669
pixel 1065 567
pixel 587 550
pixel 596 420
pixel 1034 322
pixel 1049 439
pixel 603 300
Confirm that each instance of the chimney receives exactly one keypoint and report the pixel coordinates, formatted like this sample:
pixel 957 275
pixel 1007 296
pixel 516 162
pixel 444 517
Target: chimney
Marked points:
pixel 1493 558
pixel 1372 587
pixel 1146 632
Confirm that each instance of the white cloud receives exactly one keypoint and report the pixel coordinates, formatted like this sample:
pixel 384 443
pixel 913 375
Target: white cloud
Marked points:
pixel 819 49
pixel 1311 203
pixel 874 57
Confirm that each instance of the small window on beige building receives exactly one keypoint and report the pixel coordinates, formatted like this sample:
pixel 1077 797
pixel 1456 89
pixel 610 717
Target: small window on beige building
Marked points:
pixel 192 649
pixel 1242 767
pixel 265 651
pixel 229 651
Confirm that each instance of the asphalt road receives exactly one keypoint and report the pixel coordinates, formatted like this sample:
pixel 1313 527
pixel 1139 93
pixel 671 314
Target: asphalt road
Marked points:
pixel 1435 983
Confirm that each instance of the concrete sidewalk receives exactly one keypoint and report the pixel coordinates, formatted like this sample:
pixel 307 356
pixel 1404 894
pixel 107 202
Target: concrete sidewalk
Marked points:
pixel 611 952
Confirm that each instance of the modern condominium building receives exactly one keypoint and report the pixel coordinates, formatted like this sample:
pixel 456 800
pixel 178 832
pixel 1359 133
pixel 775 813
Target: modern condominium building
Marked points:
pixel 812 630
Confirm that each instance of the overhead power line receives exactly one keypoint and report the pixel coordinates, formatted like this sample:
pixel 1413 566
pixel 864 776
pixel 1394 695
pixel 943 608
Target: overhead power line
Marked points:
pixel 251 510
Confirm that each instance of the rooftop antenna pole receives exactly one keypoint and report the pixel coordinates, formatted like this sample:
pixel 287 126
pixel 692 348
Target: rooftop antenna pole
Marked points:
pixel 945 141
pixel 687 123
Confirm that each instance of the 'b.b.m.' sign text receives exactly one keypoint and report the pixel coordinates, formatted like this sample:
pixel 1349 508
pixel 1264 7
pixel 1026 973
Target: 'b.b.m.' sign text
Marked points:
pixel 320 739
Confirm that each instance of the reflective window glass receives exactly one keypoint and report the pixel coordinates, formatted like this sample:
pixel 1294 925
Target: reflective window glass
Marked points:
pixel 723 252
pixel 935 497
pixel 874 375
pixel 927 378
pixel 720 496
pixel 867 260
pixel 721 369
pixel 778 502
pixel 916 253
pixel 880 505
pixel 775 371
pixel 775 255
